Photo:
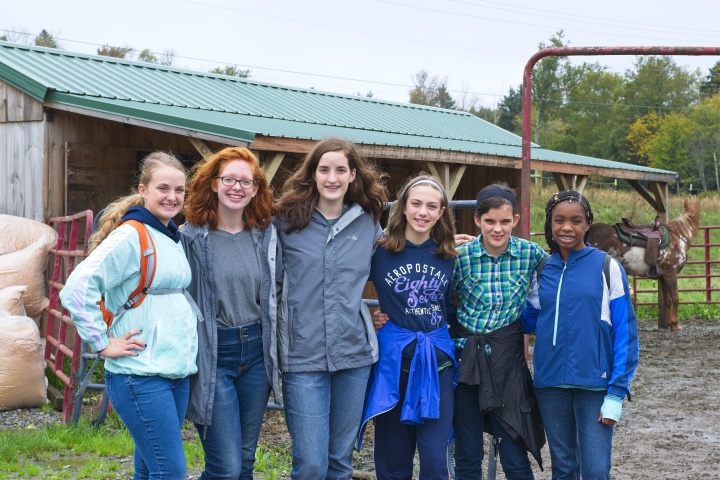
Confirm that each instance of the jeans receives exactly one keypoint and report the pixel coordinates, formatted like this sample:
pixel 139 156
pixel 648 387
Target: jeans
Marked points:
pixel 153 410
pixel 580 446
pixel 469 424
pixel 323 411
pixel 241 394
pixel 395 442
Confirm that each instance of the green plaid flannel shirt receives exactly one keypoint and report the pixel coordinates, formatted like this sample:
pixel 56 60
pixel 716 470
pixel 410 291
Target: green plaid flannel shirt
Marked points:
pixel 492 290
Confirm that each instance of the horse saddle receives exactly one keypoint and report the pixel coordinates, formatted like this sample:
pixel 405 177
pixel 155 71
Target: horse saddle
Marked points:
pixel 652 238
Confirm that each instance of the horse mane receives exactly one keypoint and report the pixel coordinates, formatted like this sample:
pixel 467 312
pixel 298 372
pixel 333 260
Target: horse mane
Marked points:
pixel 687 223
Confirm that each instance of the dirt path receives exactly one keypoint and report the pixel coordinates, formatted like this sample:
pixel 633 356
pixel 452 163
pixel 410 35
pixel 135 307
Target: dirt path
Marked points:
pixel 671 429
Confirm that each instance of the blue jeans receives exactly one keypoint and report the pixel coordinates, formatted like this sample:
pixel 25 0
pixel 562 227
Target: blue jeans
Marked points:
pixel 468 426
pixel 395 442
pixel 323 411
pixel 153 410
pixel 579 444
pixel 241 394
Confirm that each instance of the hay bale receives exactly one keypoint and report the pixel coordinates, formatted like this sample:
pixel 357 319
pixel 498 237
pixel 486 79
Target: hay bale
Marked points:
pixel 24 247
pixel 22 376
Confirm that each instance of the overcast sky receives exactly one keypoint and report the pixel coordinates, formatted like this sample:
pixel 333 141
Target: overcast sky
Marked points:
pixel 350 46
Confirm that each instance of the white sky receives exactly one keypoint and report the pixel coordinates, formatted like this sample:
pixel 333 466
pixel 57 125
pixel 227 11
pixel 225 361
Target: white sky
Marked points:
pixel 350 46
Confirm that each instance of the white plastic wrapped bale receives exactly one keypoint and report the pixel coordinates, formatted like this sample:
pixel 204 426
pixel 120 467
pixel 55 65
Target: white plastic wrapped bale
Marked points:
pixel 24 247
pixel 22 376
pixel 11 300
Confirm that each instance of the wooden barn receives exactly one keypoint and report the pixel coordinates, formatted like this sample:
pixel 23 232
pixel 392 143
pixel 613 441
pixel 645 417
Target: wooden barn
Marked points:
pixel 73 128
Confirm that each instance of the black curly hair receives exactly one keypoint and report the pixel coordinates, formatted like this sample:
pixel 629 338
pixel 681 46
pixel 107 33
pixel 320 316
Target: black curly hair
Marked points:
pixel 564 196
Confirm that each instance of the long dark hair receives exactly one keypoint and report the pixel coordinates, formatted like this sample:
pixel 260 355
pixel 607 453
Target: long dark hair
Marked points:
pixel 300 194
pixel 564 196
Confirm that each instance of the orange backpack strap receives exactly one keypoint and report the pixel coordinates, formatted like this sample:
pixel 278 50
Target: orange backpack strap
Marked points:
pixel 147 274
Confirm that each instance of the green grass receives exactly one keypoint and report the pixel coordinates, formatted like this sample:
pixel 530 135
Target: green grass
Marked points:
pixel 271 462
pixel 60 451
pixel 80 451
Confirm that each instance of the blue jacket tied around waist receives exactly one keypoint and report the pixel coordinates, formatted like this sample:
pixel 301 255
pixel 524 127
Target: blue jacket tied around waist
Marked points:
pixel 422 397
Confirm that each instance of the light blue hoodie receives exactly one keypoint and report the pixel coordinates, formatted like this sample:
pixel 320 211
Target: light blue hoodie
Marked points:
pixel 168 323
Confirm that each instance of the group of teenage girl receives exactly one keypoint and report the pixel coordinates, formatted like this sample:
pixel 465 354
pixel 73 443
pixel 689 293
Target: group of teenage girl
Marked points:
pixel 252 297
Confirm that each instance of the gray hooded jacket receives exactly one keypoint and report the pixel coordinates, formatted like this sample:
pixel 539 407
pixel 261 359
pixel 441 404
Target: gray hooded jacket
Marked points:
pixel 202 289
pixel 325 326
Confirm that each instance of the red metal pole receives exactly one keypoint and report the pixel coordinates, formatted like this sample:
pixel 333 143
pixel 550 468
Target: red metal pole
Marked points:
pixel 527 102
pixel 708 283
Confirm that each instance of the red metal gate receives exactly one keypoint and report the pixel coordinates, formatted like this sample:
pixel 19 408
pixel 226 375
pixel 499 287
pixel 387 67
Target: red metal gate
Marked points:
pixel 61 339
pixel 709 266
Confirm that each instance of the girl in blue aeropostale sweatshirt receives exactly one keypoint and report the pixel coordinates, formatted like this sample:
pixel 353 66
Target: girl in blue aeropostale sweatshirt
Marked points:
pixel 411 390
pixel 586 349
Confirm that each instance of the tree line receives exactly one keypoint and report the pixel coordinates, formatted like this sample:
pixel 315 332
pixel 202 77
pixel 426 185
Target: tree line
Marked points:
pixel 657 113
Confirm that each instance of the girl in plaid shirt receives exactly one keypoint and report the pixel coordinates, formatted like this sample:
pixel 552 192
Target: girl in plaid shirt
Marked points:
pixel 492 278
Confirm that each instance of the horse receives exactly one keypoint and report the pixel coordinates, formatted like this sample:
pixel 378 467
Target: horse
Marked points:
pixel 670 261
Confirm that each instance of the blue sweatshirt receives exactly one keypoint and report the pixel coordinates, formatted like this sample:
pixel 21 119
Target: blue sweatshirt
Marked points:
pixel 414 288
pixel 586 332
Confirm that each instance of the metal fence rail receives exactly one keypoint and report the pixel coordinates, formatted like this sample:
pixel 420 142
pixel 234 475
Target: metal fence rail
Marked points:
pixel 709 266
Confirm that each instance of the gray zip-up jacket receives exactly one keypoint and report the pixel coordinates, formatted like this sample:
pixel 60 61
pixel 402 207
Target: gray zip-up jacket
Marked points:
pixel 325 327
pixel 202 289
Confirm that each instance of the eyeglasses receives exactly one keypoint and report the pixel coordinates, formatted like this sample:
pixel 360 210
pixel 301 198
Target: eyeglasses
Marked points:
pixel 230 181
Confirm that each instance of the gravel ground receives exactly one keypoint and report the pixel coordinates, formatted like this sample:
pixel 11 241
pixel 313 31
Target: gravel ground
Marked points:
pixel 28 418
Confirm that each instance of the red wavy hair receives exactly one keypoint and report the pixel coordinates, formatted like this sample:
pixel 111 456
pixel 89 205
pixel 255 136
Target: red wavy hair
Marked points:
pixel 201 204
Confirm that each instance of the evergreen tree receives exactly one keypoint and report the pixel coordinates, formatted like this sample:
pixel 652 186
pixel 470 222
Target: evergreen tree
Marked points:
pixel 45 39
pixel 510 110
pixel 711 84
pixel 431 91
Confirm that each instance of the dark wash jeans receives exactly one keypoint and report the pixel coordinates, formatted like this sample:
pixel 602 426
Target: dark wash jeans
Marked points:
pixel 469 424
pixel 241 394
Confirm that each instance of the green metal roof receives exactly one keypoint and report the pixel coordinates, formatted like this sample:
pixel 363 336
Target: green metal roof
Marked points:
pixel 239 109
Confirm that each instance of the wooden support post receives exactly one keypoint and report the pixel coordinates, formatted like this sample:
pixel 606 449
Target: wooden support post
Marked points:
pixel 562 181
pixel 579 183
pixel 450 176
pixel 645 194
pixel 659 191
pixel 566 181
pixel 200 146
pixel 272 164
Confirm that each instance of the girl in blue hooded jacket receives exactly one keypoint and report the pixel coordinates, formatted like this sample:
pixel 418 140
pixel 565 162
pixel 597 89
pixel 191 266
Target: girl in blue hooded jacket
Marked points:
pixel 586 347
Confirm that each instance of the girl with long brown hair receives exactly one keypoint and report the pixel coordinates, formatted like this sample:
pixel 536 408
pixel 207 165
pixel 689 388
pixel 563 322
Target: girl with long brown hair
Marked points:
pixel 411 387
pixel 328 224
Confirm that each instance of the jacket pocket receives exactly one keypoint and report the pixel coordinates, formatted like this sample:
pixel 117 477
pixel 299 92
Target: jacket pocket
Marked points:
pixel 291 327
pixel 151 344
